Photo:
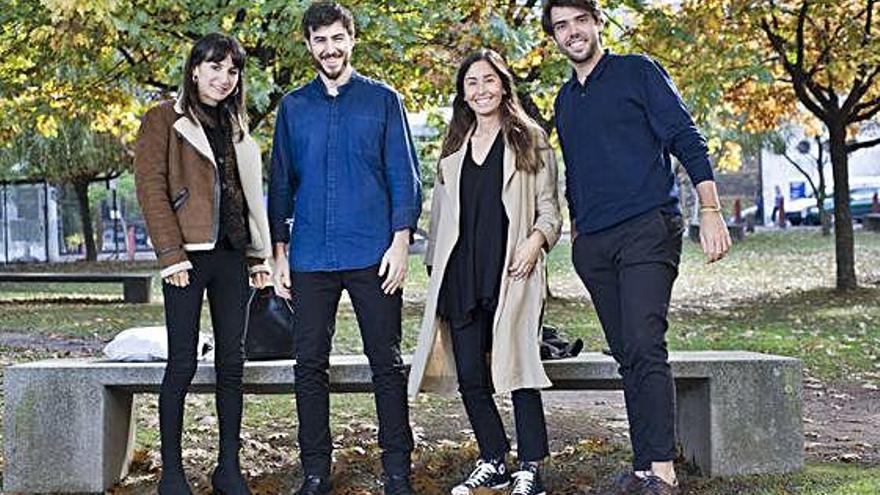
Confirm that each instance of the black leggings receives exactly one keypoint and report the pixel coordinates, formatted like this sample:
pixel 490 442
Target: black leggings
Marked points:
pixel 223 273
pixel 471 343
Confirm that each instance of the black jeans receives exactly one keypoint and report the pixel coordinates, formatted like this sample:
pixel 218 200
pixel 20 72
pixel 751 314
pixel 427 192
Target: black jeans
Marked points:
pixel 471 343
pixel 223 273
pixel 315 301
pixel 629 270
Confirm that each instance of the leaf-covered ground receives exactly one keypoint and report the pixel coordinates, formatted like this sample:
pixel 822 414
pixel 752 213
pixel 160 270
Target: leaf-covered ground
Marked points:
pixel 772 294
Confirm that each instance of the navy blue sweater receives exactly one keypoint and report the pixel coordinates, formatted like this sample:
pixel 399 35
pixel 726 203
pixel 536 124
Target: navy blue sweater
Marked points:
pixel 617 132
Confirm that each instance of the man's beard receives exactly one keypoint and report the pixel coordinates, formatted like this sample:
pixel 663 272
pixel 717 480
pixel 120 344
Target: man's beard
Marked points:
pixel 331 75
pixel 591 52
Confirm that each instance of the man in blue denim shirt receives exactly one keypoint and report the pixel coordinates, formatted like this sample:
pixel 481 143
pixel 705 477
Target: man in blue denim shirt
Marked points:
pixel 344 166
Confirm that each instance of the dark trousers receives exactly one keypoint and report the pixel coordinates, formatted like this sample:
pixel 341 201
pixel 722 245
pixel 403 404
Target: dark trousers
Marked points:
pixel 629 270
pixel 223 273
pixel 315 299
pixel 471 343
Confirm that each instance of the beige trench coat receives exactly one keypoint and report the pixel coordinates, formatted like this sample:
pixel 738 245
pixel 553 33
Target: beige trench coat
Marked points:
pixel 531 203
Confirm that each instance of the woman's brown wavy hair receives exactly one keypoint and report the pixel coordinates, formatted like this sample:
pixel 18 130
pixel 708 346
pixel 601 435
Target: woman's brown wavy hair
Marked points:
pixel 519 129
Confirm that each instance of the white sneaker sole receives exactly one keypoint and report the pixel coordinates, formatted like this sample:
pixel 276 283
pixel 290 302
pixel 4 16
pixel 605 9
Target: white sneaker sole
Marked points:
pixel 463 490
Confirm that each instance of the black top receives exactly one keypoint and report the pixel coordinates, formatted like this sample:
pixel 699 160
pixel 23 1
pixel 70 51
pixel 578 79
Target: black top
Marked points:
pixel 233 232
pixel 476 265
pixel 217 130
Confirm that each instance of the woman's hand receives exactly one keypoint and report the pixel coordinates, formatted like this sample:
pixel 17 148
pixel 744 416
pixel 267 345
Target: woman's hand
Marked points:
pixel 526 256
pixel 260 279
pixel 178 279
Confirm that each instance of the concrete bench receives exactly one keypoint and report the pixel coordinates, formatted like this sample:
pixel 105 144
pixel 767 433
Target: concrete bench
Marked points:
pixel 69 425
pixel 872 222
pixel 135 286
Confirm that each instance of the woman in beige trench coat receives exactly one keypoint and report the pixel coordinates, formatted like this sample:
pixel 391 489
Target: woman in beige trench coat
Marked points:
pixel 495 214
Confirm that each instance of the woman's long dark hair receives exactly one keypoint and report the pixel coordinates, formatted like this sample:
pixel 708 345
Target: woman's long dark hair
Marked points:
pixel 519 129
pixel 215 47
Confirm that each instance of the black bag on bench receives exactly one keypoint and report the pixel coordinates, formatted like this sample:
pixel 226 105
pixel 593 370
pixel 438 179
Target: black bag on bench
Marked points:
pixel 555 346
pixel 268 326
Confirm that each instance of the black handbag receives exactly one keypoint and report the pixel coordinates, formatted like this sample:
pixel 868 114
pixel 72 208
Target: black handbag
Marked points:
pixel 268 326
pixel 555 346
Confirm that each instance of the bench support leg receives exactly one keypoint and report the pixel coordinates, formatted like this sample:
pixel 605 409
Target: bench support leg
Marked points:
pixel 745 419
pixel 64 433
pixel 136 291
pixel 693 425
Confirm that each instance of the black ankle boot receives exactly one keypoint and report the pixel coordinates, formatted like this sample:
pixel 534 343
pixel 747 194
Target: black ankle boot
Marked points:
pixel 229 481
pixel 173 482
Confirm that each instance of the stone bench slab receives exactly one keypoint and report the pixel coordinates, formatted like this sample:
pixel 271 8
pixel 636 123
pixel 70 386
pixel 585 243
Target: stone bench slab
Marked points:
pixel 69 424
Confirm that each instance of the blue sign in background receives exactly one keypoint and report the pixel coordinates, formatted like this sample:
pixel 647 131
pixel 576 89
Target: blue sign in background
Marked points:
pixel 797 190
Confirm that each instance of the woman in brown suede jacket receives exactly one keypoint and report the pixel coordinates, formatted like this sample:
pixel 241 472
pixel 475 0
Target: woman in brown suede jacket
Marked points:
pixel 199 184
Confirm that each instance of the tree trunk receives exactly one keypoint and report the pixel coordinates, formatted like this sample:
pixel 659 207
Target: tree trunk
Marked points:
pixel 82 196
pixel 825 221
pixel 843 230
pixel 824 217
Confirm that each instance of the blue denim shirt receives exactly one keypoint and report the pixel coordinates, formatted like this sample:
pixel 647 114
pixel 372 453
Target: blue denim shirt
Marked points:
pixel 345 168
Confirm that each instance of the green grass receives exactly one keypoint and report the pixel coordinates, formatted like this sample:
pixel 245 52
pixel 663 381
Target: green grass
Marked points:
pixel 816 479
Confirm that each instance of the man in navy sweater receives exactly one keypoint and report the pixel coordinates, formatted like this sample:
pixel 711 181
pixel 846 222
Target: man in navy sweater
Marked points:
pixel 620 119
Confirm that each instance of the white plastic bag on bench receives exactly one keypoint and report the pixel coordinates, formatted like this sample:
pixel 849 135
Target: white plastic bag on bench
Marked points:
pixel 150 344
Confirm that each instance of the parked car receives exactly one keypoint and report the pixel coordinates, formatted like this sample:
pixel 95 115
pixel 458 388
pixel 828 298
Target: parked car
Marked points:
pixel 796 209
pixel 861 201
pixel 803 211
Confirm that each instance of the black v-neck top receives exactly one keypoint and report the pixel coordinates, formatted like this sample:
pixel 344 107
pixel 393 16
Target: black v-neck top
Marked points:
pixel 476 265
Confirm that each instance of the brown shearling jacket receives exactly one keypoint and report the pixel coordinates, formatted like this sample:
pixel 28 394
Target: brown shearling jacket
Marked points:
pixel 178 188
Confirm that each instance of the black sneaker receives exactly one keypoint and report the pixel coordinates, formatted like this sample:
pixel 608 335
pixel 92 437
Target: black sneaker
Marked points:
pixel 653 485
pixel 625 483
pixel 315 485
pixel 487 474
pixel 398 484
pixel 527 481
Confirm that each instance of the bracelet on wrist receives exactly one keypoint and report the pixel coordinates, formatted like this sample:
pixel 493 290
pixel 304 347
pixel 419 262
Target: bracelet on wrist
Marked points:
pixel 710 209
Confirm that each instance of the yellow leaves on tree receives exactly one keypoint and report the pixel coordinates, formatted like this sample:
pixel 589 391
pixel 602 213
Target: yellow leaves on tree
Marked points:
pixel 65 10
pixel 47 125
pixel 763 107
pixel 726 154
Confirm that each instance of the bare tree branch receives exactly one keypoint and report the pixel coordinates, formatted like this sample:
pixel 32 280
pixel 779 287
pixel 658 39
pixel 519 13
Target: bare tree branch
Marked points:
pixel 799 34
pixel 866 113
pixel 523 14
pixel 860 87
pixel 862 145
pixel 802 171
pixel 810 97
pixel 160 85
